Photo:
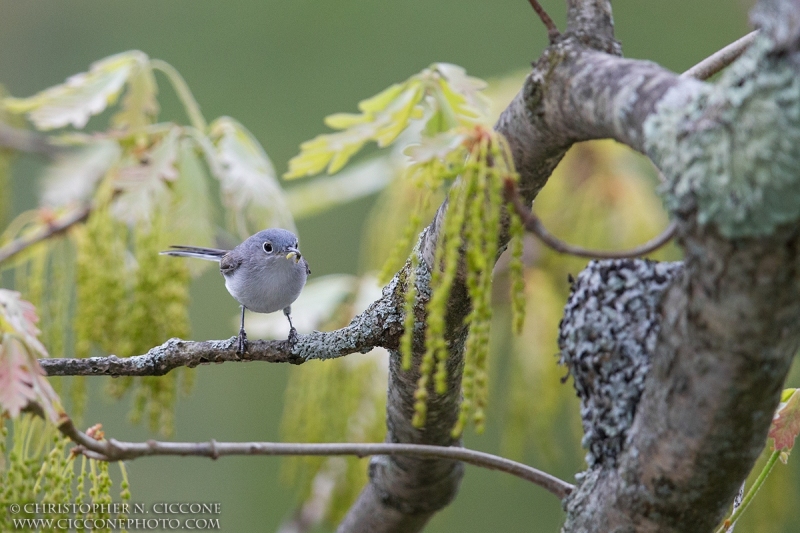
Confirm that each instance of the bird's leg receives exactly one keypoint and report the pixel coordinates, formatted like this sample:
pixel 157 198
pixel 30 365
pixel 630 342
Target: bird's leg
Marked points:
pixel 241 346
pixel 292 332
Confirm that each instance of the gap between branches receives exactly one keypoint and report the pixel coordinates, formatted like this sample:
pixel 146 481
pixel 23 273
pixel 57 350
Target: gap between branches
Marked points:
pixel 533 224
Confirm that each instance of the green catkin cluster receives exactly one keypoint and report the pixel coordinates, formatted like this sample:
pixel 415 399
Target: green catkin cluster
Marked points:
pixel 127 307
pixel 481 246
pixel 516 270
pixel 40 468
pixel 100 492
pixel 444 273
pixel 158 311
pixel 56 309
pixel 46 279
pixel 409 317
pixel 472 224
pixel 358 389
pixel 101 284
pixel 124 489
pixel 5 186
pixel 100 290
pixel 412 228
pixel 428 177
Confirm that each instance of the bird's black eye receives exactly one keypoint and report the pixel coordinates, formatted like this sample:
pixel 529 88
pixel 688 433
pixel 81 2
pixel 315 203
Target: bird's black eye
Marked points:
pixel 267 247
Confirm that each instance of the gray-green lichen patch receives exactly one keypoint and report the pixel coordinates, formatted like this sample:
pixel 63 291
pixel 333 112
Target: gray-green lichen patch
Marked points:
pixel 731 151
pixel 608 333
pixel 367 330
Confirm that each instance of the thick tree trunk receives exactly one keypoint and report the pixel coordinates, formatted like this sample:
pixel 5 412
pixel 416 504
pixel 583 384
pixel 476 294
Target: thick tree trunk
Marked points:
pixel 702 365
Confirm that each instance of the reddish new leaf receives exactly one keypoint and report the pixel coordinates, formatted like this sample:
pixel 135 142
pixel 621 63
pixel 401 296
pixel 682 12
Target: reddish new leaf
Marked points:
pixel 22 380
pixel 16 381
pixel 786 423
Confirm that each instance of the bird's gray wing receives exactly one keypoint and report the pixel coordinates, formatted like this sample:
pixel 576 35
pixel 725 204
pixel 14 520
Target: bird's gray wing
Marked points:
pixel 229 263
pixel 308 269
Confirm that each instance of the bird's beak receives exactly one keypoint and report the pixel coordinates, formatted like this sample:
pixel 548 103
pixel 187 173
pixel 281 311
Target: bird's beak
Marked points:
pixel 294 253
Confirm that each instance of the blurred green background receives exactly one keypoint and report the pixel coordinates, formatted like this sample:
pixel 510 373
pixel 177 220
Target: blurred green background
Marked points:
pixel 279 68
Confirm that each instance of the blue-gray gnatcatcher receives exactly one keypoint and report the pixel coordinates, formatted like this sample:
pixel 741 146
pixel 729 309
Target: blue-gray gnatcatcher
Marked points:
pixel 265 273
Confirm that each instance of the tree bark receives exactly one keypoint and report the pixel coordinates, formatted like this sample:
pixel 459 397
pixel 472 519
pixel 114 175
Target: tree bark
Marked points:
pixel 724 333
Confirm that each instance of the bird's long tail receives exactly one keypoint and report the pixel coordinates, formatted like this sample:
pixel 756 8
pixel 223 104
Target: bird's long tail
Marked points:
pixel 209 254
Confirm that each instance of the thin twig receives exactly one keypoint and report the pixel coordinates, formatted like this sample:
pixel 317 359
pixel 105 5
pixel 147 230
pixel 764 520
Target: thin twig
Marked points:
pixel 54 228
pixel 534 225
pixel 113 450
pixel 703 70
pixel 184 93
pixel 721 58
pixel 552 29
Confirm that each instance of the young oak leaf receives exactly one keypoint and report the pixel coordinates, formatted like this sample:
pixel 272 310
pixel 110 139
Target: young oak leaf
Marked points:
pixel 81 96
pixel 383 118
pixel 438 147
pixel 74 173
pixel 786 423
pixel 463 92
pixel 15 376
pixel 368 107
pixel 192 209
pixel 139 106
pixel 140 182
pixel 443 93
pixel 249 185
pixel 21 378
pixel 19 317
pixel 399 113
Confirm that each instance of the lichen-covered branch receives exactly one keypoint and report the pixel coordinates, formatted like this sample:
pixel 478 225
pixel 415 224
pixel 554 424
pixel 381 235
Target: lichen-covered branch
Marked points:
pixel 607 338
pixel 675 459
pixel 590 19
pixel 379 325
pixel 172 354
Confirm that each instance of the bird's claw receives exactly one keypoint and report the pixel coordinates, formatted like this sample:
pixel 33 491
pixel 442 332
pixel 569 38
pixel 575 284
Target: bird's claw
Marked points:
pixel 241 344
pixel 293 336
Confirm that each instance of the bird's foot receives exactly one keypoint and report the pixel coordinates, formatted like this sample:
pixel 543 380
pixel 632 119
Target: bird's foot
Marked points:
pixel 241 343
pixel 293 337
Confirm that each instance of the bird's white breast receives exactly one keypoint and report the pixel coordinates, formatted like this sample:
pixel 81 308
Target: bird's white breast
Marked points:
pixel 267 286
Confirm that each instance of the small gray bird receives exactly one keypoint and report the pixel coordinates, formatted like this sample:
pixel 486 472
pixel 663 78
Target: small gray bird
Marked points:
pixel 265 273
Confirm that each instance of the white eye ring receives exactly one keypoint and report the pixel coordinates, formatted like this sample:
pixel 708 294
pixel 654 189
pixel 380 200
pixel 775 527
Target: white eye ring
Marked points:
pixel 267 246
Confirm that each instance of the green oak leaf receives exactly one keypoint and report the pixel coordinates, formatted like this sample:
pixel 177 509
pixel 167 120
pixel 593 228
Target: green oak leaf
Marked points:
pixel 250 189
pixel 443 95
pixel 81 96
pixel 141 180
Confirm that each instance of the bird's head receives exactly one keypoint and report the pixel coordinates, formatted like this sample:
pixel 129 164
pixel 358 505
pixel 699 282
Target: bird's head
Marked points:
pixel 278 242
